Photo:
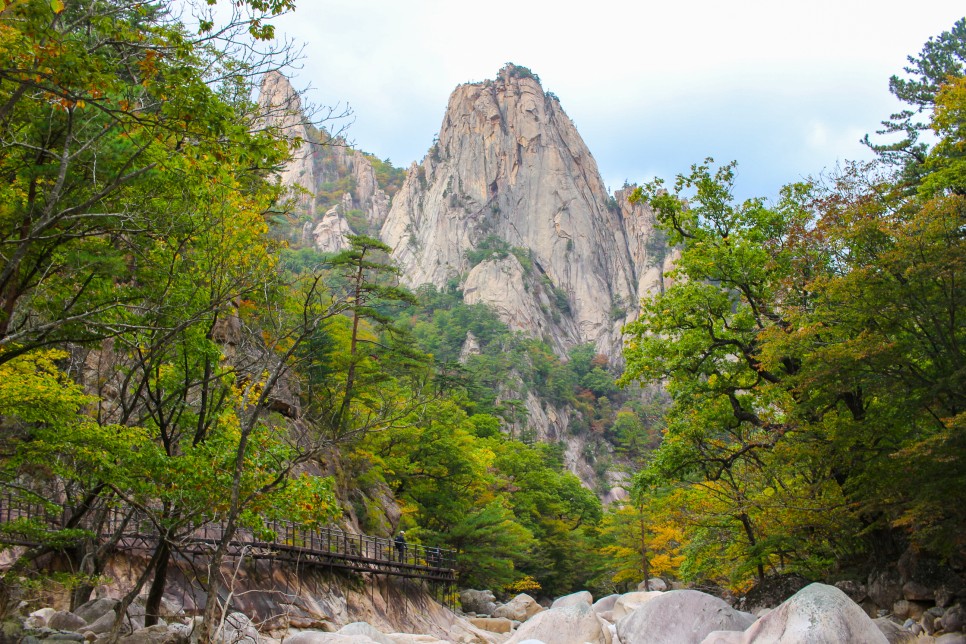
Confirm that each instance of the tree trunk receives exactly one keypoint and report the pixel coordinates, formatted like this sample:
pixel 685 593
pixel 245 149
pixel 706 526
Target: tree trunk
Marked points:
pixel 152 607
pixel 750 533
pixel 645 568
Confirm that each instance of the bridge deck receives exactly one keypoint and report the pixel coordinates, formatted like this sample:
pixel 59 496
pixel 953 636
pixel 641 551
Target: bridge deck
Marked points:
pixel 324 546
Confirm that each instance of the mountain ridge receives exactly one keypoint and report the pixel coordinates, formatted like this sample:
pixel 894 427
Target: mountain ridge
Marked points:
pixel 508 171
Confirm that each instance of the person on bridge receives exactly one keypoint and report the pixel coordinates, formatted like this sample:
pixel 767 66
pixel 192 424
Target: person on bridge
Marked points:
pixel 400 544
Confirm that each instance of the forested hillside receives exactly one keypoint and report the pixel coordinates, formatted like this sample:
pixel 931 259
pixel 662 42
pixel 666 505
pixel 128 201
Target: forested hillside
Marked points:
pixel 176 342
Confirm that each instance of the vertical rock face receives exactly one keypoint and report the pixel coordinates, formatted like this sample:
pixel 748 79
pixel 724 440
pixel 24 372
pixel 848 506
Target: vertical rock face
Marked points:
pixel 651 257
pixel 281 108
pixel 319 160
pixel 510 170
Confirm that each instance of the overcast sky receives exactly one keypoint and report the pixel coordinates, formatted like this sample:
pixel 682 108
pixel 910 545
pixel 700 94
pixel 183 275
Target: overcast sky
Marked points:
pixel 785 88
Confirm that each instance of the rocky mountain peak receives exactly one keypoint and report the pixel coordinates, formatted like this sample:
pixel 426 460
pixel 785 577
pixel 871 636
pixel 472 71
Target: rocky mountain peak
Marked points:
pixel 281 107
pixel 510 176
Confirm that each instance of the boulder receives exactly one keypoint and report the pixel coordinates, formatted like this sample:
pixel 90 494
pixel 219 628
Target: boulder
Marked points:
pixel 409 638
pixel 319 637
pixel 605 604
pixel 581 597
pixel 520 608
pixel 954 619
pixel 38 618
pixel 817 613
pixel 724 637
pixel 135 614
pixel 679 616
pixel 63 620
pixel 884 588
pixel 96 608
pixel 309 623
pixel 854 589
pixel 481 602
pixel 949 590
pixel 951 638
pixel 916 591
pixel 103 624
pixel 894 633
pixel 156 634
pixel 492 624
pixel 574 624
pixel 629 602
pixel 901 609
pixel 366 630
pixel 654 583
pixel 239 630
pixel 770 592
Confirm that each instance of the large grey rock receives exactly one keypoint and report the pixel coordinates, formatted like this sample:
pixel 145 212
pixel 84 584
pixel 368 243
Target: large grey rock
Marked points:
pixel 894 633
pixel 917 591
pixel 366 630
pixel 481 602
pixel 654 583
pixel 951 638
pixel 680 616
pixel 954 619
pixel 818 613
pixel 854 589
pixel 885 588
pixel 574 624
pixel 629 602
pixel 520 608
pixel 492 624
pixel 64 620
pixel 38 618
pixel 580 597
pixel 103 624
pixel 239 630
pixel 156 634
pixel 95 609
pixel 606 604
pixel 330 234
pixel 901 609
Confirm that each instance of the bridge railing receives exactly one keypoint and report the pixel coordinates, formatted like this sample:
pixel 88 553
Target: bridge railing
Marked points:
pixel 326 542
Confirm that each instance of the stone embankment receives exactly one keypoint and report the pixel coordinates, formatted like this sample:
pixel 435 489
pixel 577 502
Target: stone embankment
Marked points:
pixel 816 613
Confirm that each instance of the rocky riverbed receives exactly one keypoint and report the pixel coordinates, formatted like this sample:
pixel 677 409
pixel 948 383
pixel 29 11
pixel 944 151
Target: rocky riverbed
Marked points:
pixel 816 613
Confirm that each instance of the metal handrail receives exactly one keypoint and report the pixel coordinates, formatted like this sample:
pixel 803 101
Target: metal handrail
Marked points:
pixel 322 542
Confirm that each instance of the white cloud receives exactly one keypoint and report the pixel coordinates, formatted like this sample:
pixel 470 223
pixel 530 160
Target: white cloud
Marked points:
pixel 651 86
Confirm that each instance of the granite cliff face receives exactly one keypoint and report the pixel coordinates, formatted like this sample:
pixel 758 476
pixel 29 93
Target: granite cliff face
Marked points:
pixel 282 109
pixel 510 172
pixel 509 205
pixel 319 161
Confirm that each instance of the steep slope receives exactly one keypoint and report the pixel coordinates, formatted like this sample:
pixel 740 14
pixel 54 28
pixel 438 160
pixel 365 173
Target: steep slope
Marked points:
pixel 509 169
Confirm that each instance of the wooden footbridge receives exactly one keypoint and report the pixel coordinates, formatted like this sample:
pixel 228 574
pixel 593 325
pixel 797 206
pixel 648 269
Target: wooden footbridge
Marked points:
pixel 323 547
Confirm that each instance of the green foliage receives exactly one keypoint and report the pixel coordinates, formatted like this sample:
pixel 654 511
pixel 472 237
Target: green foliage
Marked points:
pixel 941 61
pixel 788 344
pixel 518 71
pixel 495 248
